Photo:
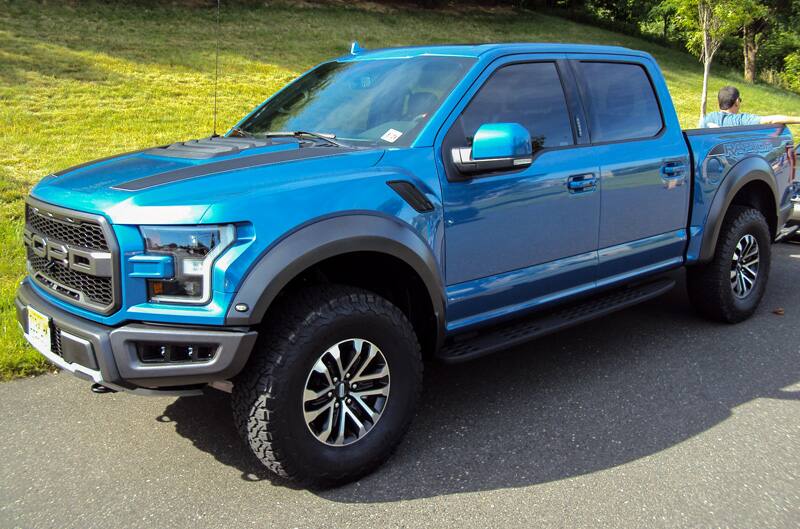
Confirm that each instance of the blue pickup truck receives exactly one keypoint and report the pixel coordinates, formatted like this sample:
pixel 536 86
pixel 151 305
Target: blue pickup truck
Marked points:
pixel 388 206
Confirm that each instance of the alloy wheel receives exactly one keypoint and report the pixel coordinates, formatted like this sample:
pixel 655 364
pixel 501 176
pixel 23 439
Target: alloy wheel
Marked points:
pixel 744 266
pixel 346 392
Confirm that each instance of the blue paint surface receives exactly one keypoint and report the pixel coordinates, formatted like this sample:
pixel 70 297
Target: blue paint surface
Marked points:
pixel 146 266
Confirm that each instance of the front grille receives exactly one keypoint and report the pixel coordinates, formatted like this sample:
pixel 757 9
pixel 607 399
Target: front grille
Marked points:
pixel 98 290
pixel 72 255
pixel 77 233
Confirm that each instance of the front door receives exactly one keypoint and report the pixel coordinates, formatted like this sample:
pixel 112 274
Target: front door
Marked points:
pixel 519 238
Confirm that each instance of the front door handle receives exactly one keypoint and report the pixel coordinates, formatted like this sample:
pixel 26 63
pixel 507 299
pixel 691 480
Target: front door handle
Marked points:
pixel 582 183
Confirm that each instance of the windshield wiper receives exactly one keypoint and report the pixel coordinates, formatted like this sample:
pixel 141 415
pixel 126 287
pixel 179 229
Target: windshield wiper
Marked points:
pixel 324 136
pixel 241 133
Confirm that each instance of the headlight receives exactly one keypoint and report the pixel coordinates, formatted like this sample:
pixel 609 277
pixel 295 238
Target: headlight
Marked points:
pixel 193 249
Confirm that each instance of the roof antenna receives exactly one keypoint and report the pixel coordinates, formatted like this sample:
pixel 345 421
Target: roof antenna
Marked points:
pixel 355 48
pixel 216 74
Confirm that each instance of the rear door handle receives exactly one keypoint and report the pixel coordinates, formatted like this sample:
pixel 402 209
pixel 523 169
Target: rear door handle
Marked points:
pixel 673 173
pixel 582 183
pixel 673 169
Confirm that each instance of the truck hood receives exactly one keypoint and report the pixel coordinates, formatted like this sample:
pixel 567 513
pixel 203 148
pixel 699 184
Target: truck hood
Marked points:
pixel 177 184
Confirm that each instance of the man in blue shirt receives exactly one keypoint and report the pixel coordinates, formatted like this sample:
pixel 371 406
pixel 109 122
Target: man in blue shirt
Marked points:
pixel 729 116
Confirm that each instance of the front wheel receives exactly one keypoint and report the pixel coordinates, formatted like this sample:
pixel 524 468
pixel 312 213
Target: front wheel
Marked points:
pixel 331 387
pixel 731 286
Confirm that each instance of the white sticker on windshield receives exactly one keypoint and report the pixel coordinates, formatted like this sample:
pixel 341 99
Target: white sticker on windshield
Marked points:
pixel 391 135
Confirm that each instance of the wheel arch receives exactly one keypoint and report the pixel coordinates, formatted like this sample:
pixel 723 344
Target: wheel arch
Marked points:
pixel 750 182
pixel 309 250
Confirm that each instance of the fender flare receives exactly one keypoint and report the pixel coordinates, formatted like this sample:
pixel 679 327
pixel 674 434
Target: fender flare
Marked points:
pixel 320 240
pixel 748 170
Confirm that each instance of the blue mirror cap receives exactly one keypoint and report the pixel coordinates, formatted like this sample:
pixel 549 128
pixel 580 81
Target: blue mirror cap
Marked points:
pixel 151 266
pixel 501 140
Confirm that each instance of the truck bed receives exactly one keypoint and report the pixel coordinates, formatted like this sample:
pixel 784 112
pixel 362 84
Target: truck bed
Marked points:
pixel 716 151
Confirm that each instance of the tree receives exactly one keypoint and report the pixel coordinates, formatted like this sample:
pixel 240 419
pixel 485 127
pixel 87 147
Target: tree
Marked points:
pixel 625 11
pixel 762 17
pixel 707 23
pixel 663 12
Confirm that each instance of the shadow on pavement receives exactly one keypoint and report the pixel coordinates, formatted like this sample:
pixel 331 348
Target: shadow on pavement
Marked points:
pixel 208 423
pixel 588 399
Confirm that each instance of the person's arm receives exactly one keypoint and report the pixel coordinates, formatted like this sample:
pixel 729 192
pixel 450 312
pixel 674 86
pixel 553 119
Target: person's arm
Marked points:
pixel 779 119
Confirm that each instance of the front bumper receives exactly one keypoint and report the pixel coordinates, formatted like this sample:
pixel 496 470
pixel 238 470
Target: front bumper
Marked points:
pixel 108 355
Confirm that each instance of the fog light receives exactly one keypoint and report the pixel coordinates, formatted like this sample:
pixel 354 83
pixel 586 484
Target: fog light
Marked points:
pixel 150 353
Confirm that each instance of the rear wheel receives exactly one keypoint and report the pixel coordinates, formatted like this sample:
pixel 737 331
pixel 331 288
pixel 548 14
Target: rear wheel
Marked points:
pixel 331 386
pixel 731 286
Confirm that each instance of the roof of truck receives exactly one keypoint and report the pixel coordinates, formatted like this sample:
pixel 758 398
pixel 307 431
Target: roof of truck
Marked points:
pixel 477 50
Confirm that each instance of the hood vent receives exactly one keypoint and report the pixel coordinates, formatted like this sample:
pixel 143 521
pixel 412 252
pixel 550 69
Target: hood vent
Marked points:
pixel 208 147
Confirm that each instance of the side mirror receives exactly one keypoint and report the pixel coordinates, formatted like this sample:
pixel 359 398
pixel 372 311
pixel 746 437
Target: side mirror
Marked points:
pixel 495 147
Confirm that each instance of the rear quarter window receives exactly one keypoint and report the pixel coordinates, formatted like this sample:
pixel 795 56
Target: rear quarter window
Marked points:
pixel 619 100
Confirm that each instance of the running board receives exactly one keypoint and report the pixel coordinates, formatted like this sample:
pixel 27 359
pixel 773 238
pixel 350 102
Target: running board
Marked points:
pixel 785 232
pixel 518 332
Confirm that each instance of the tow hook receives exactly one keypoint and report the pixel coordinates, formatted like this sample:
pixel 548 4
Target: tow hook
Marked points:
pixel 101 389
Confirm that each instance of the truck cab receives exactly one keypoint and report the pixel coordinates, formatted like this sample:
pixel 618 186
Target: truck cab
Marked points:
pixel 388 206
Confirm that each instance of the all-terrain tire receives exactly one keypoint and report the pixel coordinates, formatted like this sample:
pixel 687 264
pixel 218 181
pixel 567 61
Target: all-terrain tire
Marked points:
pixel 268 396
pixel 710 286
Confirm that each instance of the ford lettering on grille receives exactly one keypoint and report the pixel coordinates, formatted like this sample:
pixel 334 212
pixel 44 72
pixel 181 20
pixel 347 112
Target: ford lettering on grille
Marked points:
pixel 71 255
pixel 80 260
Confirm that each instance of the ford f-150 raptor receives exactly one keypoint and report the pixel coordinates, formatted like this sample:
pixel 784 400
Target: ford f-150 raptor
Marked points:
pixel 387 206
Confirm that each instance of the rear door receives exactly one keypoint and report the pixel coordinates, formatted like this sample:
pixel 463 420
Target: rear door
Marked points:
pixel 644 166
pixel 518 238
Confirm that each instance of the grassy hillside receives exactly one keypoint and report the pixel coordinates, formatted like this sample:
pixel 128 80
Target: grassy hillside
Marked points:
pixel 84 81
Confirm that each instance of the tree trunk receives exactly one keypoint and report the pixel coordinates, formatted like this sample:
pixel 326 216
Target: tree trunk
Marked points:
pixel 707 54
pixel 750 50
pixel 704 95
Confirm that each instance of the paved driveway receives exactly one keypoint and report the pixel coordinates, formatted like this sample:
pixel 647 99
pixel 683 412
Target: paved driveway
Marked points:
pixel 647 418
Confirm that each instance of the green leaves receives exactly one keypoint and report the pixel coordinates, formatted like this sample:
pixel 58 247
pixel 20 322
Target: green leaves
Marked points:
pixel 708 22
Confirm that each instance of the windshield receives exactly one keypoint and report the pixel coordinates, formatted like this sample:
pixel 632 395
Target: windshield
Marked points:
pixel 384 102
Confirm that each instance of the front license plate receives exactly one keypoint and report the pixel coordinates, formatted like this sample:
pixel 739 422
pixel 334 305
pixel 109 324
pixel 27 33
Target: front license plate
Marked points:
pixel 38 329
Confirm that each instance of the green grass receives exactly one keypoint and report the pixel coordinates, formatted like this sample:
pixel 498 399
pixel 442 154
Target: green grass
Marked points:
pixel 85 80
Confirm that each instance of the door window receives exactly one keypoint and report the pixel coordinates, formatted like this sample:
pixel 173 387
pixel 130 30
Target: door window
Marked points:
pixel 619 100
pixel 529 94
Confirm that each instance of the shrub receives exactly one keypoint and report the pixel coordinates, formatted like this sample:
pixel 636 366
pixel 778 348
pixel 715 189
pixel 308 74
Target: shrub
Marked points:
pixel 791 71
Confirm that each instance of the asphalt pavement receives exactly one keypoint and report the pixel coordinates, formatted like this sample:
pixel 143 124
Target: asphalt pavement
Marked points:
pixel 650 417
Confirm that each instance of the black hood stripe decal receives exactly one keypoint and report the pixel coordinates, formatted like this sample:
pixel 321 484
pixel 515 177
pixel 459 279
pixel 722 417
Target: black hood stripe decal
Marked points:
pixel 245 162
